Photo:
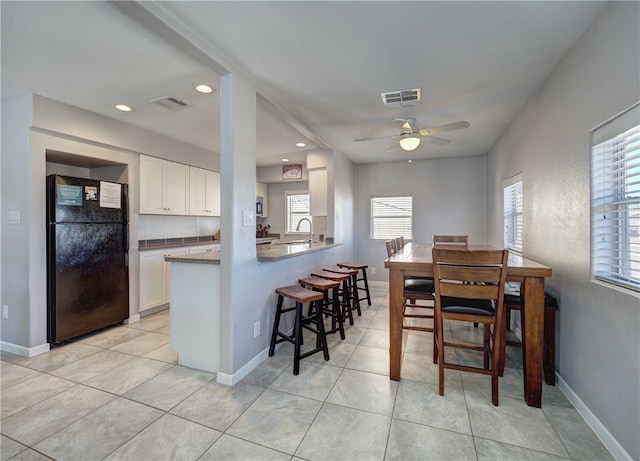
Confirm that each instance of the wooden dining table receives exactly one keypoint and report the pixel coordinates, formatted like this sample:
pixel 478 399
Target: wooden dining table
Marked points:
pixel 416 259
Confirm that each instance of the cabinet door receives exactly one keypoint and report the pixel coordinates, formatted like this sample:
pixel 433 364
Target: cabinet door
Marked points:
pixel 153 288
pixel 318 191
pixel 177 188
pixel 199 249
pixel 152 185
pixel 197 191
pixel 167 267
pixel 212 193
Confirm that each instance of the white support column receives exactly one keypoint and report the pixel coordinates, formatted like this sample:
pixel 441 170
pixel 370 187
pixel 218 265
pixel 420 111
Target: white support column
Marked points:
pixel 238 248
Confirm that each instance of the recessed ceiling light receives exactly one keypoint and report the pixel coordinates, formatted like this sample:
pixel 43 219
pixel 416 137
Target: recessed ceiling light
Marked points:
pixel 410 161
pixel 300 144
pixel 124 108
pixel 285 159
pixel 204 88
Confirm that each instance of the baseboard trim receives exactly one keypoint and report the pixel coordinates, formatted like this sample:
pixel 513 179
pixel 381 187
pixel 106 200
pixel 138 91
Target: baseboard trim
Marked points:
pixel 132 319
pixel 377 283
pixel 594 423
pixel 233 379
pixel 24 351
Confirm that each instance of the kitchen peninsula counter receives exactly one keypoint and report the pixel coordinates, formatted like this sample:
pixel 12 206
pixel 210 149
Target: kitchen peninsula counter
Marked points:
pixel 195 300
pixel 265 253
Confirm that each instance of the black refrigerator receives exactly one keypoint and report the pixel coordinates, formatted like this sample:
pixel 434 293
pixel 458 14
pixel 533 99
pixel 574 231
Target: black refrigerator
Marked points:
pixel 87 256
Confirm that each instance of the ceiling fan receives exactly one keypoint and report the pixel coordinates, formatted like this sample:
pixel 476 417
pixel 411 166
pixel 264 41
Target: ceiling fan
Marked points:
pixel 411 135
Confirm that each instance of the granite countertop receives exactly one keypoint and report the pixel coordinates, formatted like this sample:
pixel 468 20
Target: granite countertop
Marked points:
pixel 265 253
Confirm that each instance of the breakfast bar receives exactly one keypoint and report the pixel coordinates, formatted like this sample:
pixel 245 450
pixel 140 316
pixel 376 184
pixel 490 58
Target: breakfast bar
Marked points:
pixel 195 300
pixel 415 259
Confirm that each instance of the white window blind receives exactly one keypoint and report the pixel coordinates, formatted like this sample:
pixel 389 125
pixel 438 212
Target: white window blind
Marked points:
pixel 615 200
pixel 298 209
pixel 391 217
pixel 512 194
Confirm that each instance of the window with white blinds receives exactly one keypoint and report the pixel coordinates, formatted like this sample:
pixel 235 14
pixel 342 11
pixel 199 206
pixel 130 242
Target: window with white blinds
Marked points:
pixel 391 217
pixel 297 209
pixel 615 200
pixel 512 194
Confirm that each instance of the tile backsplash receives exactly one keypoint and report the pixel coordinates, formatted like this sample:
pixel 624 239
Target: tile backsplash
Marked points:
pixel 164 227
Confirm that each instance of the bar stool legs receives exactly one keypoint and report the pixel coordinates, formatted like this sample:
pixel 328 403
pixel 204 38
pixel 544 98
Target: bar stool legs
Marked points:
pixel 331 306
pixel 345 292
pixel 358 288
pixel 352 291
pixel 301 296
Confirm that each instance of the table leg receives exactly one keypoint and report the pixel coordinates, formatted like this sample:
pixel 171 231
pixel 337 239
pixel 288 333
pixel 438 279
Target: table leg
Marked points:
pixel 532 341
pixel 396 292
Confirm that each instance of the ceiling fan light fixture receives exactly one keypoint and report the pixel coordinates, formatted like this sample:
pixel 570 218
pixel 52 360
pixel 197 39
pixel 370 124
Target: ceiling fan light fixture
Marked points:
pixel 409 143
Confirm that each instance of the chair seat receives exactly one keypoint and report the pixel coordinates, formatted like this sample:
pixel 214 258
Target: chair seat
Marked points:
pixel 468 306
pixel 424 286
pixel 512 296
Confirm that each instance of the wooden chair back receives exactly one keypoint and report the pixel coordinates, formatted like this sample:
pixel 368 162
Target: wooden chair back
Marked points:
pixel 399 242
pixel 471 274
pixel 391 247
pixel 451 239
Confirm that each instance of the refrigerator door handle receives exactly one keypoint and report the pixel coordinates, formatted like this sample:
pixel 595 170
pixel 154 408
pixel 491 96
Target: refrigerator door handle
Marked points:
pixel 126 244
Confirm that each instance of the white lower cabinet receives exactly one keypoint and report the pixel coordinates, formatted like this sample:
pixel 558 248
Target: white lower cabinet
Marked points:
pixel 155 276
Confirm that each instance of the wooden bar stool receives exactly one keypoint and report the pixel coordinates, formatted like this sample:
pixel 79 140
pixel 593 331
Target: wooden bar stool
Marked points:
pixel 345 298
pixel 365 288
pixel 331 306
pixel 353 293
pixel 301 296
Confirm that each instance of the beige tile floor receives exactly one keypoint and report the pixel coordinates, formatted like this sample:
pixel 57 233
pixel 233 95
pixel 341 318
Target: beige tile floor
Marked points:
pixel 119 395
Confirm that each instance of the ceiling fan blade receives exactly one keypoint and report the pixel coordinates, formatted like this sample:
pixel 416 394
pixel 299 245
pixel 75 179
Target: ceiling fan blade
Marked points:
pixel 445 127
pixel 393 147
pixel 434 140
pixel 379 137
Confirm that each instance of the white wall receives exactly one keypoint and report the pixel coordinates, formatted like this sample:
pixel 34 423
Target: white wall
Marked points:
pixel 31 126
pixel 598 328
pixel 17 115
pixel 448 198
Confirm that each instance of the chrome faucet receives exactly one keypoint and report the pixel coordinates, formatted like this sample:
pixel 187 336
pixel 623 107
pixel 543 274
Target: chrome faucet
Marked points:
pixel 310 238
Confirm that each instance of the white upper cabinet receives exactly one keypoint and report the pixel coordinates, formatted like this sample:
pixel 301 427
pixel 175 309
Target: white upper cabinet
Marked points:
pixel 204 196
pixel 318 191
pixel 164 187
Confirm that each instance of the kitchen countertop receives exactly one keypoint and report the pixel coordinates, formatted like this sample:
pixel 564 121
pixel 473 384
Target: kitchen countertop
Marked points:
pixel 265 253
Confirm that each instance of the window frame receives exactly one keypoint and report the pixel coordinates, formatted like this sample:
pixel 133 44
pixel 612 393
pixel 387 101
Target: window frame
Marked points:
pixel 376 232
pixel 289 229
pixel 615 202
pixel 513 213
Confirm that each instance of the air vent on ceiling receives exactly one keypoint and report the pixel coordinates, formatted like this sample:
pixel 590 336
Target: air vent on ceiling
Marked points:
pixel 170 102
pixel 401 98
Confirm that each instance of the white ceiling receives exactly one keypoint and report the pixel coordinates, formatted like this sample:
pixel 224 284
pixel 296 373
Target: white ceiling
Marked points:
pixel 323 66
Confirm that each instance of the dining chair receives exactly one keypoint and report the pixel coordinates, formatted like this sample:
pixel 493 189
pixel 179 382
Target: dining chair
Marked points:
pixel 416 289
pixel 391 247
pixel 451 239
pixel 469 287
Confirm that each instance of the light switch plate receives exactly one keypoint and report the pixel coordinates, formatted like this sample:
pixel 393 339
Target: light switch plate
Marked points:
pixel 14 217
pixel 248 218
